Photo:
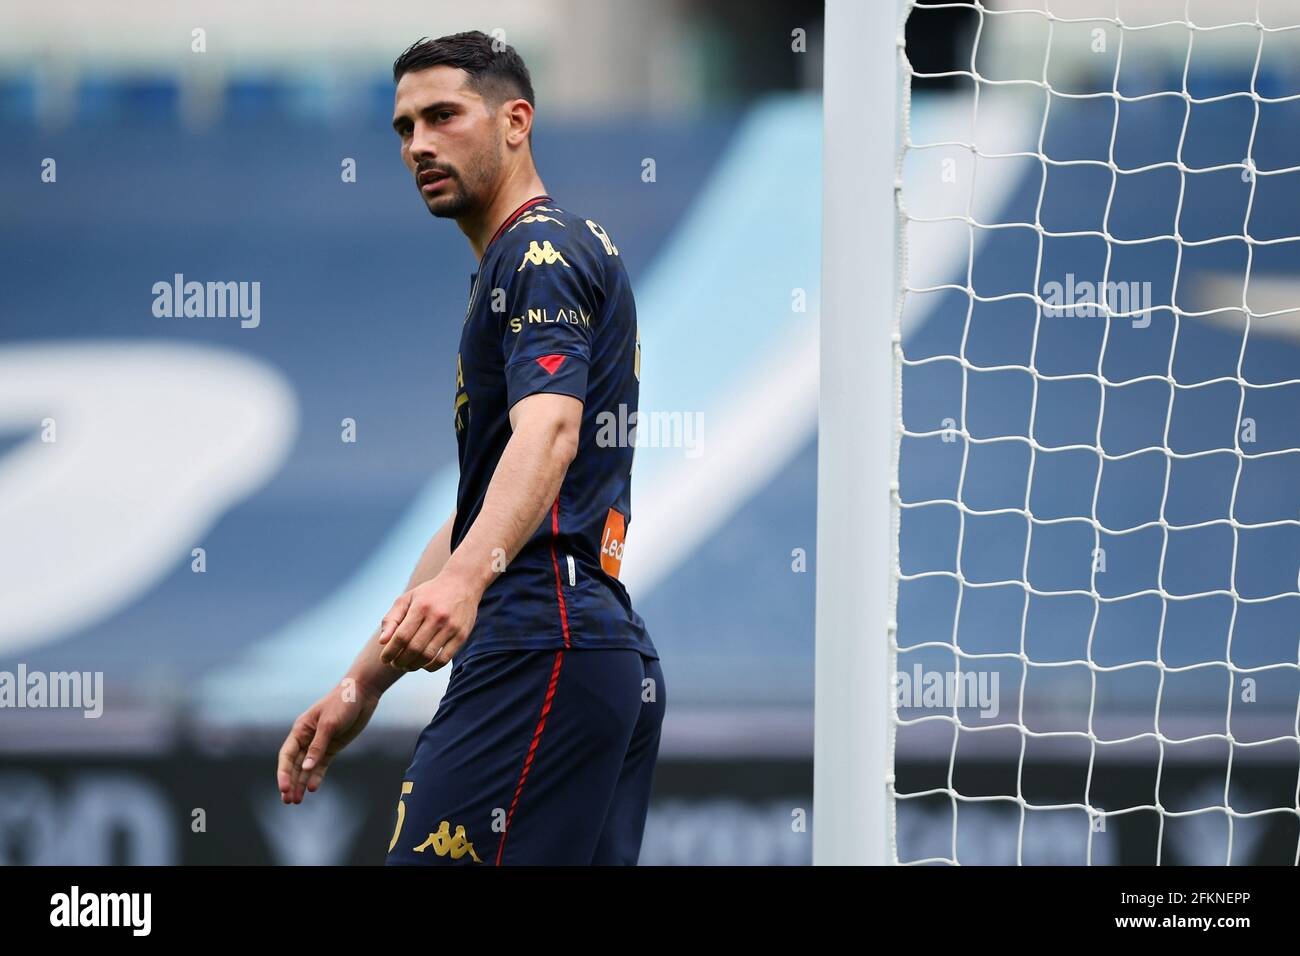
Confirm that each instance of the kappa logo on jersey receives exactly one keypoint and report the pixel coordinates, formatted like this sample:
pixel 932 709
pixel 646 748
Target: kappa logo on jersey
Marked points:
pixel 445 843
pixel 612 543
pixel 535 217
pixel 541 255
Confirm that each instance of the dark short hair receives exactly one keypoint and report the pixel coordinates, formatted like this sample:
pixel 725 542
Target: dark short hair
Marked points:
pixel 497 74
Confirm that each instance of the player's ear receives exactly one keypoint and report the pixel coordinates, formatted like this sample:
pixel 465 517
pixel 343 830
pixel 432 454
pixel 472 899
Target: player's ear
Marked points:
pixel 519 121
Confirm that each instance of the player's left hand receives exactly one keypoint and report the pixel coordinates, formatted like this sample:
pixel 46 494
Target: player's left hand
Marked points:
pixel 428 624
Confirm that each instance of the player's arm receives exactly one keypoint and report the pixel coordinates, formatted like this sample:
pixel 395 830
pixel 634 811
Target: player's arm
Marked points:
pixel 370 671
pixel 546 366
pixel 435 554
pixel 431 622
pixel 331 723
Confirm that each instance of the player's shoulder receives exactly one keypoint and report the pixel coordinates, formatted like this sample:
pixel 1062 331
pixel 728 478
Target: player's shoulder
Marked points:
pixel 544 219
pixel 549 234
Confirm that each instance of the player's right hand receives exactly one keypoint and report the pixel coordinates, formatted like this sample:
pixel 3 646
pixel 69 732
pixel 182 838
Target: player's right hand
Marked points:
pixel 319 733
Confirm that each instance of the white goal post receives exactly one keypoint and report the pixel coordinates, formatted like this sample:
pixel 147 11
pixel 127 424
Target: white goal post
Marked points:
pixel 856 414
pixel 1059 434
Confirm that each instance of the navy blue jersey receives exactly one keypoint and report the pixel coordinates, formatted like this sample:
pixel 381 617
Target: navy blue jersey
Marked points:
pixel 551 310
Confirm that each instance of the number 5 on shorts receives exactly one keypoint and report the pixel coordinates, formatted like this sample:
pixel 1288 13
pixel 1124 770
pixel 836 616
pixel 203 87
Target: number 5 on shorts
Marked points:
pixel 407 787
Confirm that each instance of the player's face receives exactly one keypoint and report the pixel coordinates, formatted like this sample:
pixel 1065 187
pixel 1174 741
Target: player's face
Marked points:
pixel 451 141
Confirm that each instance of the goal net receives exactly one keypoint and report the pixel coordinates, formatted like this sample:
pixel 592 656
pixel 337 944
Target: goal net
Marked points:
pixel 1091 617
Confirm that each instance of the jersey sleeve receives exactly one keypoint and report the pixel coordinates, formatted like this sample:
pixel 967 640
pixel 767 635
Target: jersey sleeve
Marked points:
pixel 549 305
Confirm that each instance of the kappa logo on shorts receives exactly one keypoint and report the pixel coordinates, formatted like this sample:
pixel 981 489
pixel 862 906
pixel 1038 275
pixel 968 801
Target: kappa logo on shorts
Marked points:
pixel 445 843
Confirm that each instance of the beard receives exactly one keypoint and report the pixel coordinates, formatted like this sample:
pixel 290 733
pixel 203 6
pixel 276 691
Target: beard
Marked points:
pixel 465 194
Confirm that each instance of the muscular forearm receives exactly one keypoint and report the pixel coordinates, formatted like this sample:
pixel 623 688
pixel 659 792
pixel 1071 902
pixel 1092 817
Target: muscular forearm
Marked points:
pixel 432 620
pixel 523 486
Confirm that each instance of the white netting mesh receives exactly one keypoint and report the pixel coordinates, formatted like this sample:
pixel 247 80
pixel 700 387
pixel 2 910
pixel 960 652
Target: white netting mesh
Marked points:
pixel 1098 457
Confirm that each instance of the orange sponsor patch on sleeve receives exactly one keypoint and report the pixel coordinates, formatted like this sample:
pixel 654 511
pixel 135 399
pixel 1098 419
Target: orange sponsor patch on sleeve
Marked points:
pixel 612 542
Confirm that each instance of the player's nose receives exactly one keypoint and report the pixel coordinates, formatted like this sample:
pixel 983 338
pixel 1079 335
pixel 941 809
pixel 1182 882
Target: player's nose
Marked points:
pixel 422 143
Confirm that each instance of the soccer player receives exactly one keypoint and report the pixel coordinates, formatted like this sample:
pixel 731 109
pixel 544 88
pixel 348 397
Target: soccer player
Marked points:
pixel 544 747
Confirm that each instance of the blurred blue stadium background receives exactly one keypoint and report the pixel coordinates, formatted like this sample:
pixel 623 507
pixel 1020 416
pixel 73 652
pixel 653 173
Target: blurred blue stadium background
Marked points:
pixel 235 174
pixel 121 168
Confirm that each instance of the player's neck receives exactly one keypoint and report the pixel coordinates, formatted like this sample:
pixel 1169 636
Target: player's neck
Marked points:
pixel 515 190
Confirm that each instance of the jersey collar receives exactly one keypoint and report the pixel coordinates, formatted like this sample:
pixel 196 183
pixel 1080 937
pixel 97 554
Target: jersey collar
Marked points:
pixel 512 218
pixel 510 221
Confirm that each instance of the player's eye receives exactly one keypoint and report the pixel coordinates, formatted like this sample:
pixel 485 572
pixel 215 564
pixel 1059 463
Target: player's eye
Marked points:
pixel 443 115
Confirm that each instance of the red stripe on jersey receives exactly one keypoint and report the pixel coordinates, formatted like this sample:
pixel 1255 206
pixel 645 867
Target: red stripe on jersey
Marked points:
pixel 555 562
pixel 510 219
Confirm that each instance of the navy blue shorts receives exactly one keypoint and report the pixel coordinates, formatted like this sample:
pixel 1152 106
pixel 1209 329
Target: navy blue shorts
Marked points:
pixel 535 757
